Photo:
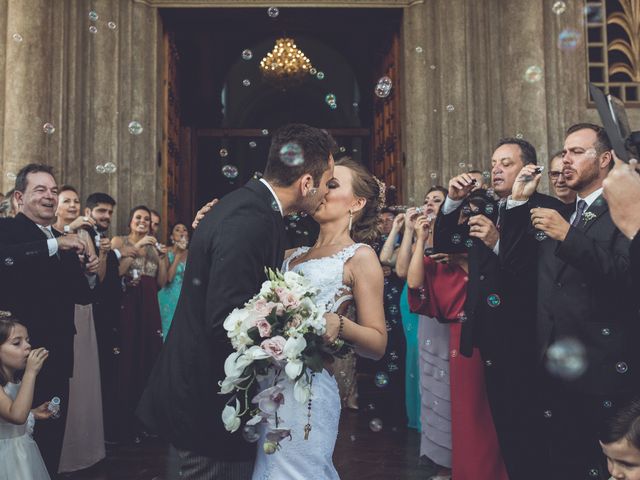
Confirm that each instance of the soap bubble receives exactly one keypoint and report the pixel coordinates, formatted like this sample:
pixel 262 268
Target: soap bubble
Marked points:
pixel 568 39
pixel 246 82
pixel 265 132
pixel 48 128
pixel 93 16
pixel 100 169
pixel 432 67
pixel 230 171
pixel 456 238
pixel 112 25
pixel 252 144
pixel 224 152
pixel 383 87
pixel 250 433
pixel 494 300
pixel 593 13
pixel 486 174
pixel 247 54
pixel 291 154
pixel 375 424
pixel 11 175
pixel 135 128
pixel 540 236
pixel 381 380
pixel 559 8
pixel 566 358
pixel 605 332
pixel 320 75
pixel 419 50
pixel 548 414
pixel 110 167
pixel 342 149
pixel 17 37
pixel 313 71
pixel 622 367
pixel 462 164
pixel 533 74
pixel 450 108
pixel 93 29
pixel 273 12
pixel 433 175
pixel 519 135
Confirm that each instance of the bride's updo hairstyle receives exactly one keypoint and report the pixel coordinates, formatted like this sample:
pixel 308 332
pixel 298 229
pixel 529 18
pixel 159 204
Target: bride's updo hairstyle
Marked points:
pixel 365 221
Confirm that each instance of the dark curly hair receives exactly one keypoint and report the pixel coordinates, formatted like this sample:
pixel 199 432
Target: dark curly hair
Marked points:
pixel 364 185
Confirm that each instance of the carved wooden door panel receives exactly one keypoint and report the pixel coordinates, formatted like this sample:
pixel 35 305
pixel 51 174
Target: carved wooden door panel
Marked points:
pixel 386 141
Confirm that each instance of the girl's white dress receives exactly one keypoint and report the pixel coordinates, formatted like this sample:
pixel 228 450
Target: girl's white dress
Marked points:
pixel 301 459
pixel 20 458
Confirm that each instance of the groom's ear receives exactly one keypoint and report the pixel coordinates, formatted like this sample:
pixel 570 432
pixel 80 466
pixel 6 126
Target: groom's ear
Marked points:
pixel 306 184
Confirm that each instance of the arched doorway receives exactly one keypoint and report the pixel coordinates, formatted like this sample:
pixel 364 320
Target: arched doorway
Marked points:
pixel 222 112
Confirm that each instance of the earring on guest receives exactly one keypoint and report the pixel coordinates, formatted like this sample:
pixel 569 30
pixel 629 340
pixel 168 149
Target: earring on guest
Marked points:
pixel 350 219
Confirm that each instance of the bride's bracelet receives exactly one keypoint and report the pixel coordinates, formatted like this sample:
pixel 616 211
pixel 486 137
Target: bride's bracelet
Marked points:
pixel 341 328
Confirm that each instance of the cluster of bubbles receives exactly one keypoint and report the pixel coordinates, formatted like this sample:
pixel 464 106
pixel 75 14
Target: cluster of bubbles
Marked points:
pixel 135 128
pixel 291 154
pixel 230 171
pixel 383 87
pixel 108 168
pixel 48 128
pixel 330 99
pixel 566 358
pixel 94 17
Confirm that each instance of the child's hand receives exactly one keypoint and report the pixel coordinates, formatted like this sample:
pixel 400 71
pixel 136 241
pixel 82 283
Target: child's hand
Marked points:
pixel 36 360
pixel 42 412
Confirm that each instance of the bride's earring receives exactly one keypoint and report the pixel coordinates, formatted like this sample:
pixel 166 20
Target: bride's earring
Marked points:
pixel 350 219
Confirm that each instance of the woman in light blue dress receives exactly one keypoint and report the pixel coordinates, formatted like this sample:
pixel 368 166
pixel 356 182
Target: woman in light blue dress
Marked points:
pixel 168 296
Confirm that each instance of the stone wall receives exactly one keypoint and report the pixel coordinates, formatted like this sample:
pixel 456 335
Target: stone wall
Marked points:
pixel 89 86
pixel 474 57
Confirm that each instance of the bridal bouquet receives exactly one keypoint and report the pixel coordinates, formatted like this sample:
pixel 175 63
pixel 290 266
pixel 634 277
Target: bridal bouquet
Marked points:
pixel 281 327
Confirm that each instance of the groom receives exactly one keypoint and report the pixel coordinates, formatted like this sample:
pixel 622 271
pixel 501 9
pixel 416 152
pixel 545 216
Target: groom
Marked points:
pixel 228 253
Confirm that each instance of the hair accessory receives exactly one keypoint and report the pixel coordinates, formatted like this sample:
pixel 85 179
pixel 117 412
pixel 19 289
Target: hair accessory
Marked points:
pixel 382 190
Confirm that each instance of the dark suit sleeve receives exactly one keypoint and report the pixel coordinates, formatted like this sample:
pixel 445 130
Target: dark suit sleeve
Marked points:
pixel 238 260
pixel 635 262
pixel 12 254
pixel 515 244
pixel 603 263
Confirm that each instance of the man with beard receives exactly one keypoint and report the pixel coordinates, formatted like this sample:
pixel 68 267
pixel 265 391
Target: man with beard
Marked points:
pixel 106 308
pixel 498 314
pixel 584 312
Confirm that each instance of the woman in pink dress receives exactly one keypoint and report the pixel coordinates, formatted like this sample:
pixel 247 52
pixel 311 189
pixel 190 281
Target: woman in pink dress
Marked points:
pixel 438 288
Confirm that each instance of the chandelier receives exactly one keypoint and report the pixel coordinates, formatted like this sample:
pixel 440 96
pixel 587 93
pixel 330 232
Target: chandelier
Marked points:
pixel 285 65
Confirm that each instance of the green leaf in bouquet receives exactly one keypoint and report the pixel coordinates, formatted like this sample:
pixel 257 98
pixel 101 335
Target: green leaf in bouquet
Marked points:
pixel 254 334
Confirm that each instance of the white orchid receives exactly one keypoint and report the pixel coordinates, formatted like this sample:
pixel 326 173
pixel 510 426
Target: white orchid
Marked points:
pixel 230 417
pixel 302 390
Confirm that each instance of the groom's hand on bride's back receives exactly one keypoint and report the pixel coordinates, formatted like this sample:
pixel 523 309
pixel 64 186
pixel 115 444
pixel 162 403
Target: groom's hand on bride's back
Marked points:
pixel 202 212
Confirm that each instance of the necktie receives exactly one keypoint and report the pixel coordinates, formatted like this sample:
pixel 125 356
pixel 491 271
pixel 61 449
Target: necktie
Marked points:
pixel 502 205
pixel 49 235
pixel 582 206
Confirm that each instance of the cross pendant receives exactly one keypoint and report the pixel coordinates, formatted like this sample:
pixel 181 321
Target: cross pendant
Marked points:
pixel 307 429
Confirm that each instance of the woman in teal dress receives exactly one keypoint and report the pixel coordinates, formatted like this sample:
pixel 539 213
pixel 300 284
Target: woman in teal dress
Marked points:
pixel 168 296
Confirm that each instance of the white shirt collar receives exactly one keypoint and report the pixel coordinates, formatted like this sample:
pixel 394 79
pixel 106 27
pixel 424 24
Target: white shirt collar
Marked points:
pixel 590 198
pixel 274 195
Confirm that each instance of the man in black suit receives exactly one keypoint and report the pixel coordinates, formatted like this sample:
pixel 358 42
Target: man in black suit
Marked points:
pixel 243 234
pixel 584 295
pixel 106 307
pixel 499 307
pixel 43 280
pixel 622 191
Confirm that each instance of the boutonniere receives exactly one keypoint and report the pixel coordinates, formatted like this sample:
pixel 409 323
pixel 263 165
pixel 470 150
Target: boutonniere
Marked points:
pixel 588 216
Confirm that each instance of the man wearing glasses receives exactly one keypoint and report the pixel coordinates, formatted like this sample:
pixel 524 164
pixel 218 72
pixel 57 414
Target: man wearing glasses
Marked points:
pixel 558 183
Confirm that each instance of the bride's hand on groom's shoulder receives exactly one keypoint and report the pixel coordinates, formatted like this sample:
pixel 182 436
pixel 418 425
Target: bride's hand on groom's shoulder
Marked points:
pixel 203 211
pixel 332 327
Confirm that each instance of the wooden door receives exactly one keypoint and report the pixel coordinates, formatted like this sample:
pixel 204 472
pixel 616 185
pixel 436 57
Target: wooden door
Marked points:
pixel 386 141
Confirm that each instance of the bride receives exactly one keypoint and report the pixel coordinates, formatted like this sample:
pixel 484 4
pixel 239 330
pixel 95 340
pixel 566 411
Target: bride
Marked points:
pixel 350 280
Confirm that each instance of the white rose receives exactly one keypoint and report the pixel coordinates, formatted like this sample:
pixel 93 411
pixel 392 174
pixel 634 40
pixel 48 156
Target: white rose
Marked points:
pixel 230 417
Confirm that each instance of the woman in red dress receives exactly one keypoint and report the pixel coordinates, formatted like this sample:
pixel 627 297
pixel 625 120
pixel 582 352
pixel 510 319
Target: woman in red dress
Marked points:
pixel 438 288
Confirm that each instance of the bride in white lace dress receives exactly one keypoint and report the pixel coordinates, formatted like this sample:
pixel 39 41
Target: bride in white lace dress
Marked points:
pixel 350 280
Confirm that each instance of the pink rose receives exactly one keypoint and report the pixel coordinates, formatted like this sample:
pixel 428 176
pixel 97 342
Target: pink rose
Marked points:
pixel 264 308
pixel 264 327
pixel 295 321
pixel 274 347
pixel 288 299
